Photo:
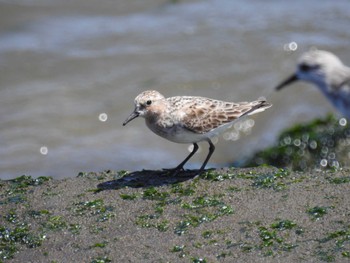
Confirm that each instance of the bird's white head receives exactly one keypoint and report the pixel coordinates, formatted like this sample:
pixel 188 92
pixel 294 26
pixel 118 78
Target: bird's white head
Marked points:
pixel 315 66
pixel 145 104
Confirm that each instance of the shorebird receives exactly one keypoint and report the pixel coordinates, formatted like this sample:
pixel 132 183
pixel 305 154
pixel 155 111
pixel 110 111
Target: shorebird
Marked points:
pixel 187 119
pixel 328 73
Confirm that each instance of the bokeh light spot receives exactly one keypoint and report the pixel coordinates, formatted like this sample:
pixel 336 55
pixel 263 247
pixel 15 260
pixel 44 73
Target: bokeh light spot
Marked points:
pixel 214 140
pixel 313 144
pixel 44 150
pixel 292 46
pixel 323 162
pixel 342 122
pixel 103 117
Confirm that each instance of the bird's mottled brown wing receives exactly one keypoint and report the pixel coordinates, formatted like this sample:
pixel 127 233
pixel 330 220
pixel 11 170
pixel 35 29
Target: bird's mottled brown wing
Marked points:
pixel 203 115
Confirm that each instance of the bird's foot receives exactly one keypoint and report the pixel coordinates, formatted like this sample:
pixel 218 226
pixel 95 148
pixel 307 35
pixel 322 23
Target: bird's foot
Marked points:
pixel 181 171
pixel 174 171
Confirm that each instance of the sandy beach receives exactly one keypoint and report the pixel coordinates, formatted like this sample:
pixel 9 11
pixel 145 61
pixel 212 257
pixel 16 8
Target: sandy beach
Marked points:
pixel 261 214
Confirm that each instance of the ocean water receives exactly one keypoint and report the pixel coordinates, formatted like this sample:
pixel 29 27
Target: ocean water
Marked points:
pixel 70 70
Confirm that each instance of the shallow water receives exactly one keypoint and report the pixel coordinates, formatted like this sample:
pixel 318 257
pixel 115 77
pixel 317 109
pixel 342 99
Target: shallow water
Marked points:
pixel 64 63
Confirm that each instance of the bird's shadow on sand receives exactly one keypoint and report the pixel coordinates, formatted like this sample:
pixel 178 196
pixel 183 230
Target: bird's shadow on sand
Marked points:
pixel 147 178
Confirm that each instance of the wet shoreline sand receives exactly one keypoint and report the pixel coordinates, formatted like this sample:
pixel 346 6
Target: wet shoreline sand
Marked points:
pixel 259 214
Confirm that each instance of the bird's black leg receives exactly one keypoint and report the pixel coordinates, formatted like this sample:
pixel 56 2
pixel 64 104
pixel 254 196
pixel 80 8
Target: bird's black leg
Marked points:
pixel 181 165
pixel 211 150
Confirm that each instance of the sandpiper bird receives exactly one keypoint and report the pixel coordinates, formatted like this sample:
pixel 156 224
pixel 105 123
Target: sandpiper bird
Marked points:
pixel 186 119
pixel 328 73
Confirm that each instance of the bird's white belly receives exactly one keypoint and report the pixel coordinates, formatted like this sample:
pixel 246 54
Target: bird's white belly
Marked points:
pixel 177 133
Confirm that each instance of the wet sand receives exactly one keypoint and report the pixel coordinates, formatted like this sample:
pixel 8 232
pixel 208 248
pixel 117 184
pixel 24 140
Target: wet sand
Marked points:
pixel 231 215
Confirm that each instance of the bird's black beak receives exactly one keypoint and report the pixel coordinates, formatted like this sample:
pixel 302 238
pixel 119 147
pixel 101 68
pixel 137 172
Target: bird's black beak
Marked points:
pixel 288 81
pixel 132 116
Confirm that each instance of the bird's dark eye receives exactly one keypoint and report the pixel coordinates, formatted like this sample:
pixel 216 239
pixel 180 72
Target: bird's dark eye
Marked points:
pixel 149 102
pixel 304 67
